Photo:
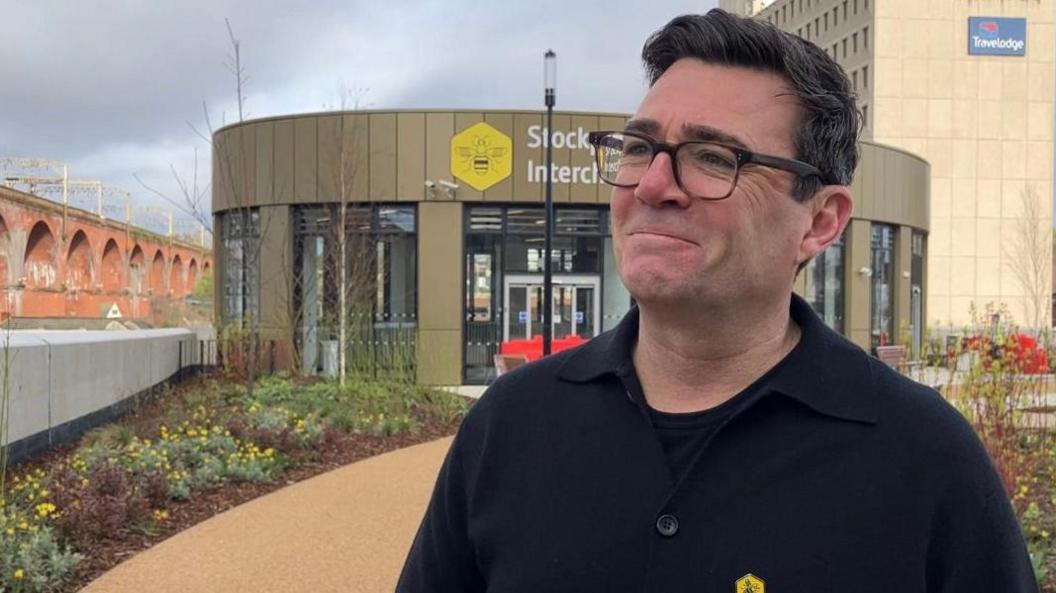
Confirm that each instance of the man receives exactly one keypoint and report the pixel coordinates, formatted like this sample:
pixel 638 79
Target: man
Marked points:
pixel 721 438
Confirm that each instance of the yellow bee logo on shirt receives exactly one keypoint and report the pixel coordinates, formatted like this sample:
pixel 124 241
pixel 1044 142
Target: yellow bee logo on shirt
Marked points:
pixel 750 584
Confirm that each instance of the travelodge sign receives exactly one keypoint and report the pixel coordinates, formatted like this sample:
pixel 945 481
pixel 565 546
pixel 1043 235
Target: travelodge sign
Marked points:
pixel 993 36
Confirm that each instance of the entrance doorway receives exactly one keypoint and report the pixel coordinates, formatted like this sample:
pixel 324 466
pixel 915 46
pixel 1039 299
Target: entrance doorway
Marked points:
pixel 576 305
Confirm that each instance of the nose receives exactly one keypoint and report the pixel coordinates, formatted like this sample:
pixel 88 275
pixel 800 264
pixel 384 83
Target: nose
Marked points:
pixel 658 186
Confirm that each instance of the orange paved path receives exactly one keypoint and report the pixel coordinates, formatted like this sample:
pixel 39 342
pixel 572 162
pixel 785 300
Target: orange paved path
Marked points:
pixel 347 530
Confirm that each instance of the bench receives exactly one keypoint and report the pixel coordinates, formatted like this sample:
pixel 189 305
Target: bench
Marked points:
pixel 893 356
pixel 505 363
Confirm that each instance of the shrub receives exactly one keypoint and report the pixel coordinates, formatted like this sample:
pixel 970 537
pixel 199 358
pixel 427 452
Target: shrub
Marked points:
pixel 37 563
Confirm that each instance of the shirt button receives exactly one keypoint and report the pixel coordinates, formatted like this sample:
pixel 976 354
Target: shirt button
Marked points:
pixel 667 525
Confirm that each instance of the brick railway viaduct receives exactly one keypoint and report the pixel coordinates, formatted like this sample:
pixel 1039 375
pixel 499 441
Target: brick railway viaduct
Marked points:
pixel 58 261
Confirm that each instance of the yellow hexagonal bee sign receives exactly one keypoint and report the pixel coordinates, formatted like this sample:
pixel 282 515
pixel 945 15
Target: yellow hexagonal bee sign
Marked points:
pixel 481 156
pixel 750 584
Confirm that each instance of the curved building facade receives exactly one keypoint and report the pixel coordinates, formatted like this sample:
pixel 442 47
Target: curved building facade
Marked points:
pixel 426 229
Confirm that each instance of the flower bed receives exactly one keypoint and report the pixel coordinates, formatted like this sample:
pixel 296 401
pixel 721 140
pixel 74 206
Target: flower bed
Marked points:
pixel 66 518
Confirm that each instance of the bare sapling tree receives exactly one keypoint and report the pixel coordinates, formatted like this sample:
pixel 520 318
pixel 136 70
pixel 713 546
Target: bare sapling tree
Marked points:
pixel 1028 255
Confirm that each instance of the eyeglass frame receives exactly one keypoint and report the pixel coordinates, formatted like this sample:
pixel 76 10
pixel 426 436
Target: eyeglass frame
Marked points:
pixel 743 156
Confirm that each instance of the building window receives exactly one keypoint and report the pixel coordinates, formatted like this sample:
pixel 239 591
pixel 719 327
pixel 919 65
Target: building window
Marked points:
pixel 882 320
pixel 865 116
pixel 240 235
pixel 377 292
pixel 799 32
pixel 854 44
pixel 865 38
pixel 865 77
pixel 844 10
pixel 855 6
pixel 826 21
pixel 854 81
pixel 845 48
pixel 824 284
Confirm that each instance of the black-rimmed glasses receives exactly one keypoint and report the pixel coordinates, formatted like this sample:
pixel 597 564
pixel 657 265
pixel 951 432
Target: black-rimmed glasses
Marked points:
pixel 705 170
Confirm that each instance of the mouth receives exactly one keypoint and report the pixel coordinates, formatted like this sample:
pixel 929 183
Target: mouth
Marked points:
pixel 664 235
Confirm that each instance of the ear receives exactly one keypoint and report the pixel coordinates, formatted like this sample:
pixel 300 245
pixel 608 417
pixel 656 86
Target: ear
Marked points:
pixel 830 213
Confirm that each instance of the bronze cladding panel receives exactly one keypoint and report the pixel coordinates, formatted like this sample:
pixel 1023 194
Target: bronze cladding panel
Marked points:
pixel 382 157
pixel 265 163
pixel 332 187
pixel 857 286
pixel 522 190
pixel 410 140
pixel 440 279
pixel 356 146
pixel 282 187
pixel 276 270
pixel 583 193
pixel 439 128
pixel 305 160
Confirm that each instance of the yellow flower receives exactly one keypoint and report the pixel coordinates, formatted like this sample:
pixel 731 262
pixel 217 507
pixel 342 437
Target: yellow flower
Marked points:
pixel 23 525
pixel 19 574
pixel 9 531
pixel 44 509
pixel 160 514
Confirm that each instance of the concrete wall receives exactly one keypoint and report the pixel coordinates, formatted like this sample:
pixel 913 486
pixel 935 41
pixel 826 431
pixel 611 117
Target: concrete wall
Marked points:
pixel 57 379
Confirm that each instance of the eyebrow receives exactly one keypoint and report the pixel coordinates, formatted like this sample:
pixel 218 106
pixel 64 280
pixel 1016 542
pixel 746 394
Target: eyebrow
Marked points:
pixel 689 131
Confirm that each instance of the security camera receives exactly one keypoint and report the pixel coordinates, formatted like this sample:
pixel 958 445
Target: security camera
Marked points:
pixel 429 184
pixel 449 185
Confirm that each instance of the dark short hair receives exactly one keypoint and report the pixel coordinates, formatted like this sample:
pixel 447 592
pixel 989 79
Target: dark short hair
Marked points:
pixel 828 135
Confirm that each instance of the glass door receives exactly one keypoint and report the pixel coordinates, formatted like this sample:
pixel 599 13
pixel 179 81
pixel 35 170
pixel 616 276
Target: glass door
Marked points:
pixel 576 306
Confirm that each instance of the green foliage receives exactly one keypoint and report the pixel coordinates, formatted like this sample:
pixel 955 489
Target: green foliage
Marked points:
pixel 123 477
pixel 985 379
pixel 37 563
pixel 203 288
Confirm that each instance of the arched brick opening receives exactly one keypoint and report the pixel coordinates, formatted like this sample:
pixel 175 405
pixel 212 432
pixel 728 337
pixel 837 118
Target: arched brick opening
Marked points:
pixel 41 270
pixel 79 263
pixel 192 275
pixel 157 274
pixel 205 268
pixel 176 277
pixel 137 267
pixel 112 267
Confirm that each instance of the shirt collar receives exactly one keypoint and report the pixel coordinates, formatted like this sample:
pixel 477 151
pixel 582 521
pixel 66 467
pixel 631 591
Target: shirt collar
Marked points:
pixel 824 371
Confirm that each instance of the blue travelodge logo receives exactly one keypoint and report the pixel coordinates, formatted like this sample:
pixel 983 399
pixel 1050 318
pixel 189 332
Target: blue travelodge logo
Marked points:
pixel 993 36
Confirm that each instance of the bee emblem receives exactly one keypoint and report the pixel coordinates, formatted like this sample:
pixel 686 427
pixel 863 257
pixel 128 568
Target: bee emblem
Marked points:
pixel 481 156
pixel 750 584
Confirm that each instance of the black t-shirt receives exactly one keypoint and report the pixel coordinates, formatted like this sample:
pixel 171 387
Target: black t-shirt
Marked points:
pixel 682 435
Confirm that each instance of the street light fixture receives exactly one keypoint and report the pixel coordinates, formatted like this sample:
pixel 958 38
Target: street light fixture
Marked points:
pixel 550 82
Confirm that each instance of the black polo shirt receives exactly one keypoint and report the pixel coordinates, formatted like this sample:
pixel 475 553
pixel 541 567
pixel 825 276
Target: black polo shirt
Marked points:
pixel 836 474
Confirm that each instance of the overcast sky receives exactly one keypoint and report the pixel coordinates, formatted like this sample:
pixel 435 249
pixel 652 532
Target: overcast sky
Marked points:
pixel 110 87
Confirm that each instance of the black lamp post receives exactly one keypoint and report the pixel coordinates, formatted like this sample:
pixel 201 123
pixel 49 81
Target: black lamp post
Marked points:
pixel 550 80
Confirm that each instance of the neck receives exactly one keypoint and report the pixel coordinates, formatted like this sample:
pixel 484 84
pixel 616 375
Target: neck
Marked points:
pixel 690 360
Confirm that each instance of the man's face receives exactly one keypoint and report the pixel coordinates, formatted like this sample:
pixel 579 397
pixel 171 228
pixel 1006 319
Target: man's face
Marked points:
pixel 673 249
